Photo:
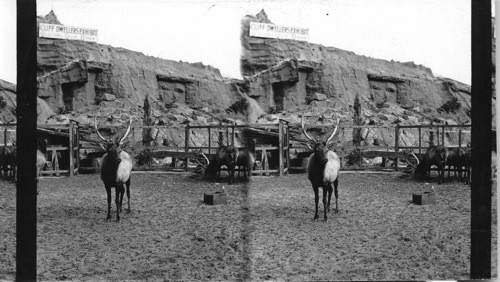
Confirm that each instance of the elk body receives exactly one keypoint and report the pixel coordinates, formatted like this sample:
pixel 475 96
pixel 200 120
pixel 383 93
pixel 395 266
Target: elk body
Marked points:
pixel 457 159
pixel 245 161
pixel 8 163
pixel 323 171
pixel 226 155
pixel 41 161
pixel 435 155
pixel 468 163
pixel 116 167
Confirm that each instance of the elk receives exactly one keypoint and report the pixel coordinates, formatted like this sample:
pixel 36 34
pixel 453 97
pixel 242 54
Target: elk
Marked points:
pixel 8 163
pixel 435 155
pixel 468 163
pixel 245 161
pixel 226 155
pixel 457 159
pixel 116 166
pixel 323 171
pixel 41 161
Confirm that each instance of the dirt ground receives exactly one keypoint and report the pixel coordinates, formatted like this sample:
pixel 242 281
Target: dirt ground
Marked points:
pixel 264 232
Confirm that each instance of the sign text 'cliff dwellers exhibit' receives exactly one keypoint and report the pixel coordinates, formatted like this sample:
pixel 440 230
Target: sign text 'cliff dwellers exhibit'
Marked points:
pixel 278 31
pixel 67 32
pixel 298 107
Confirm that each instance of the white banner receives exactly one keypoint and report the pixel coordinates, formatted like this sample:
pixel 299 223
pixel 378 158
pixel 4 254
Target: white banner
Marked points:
pixel 67 32
pixel 278 31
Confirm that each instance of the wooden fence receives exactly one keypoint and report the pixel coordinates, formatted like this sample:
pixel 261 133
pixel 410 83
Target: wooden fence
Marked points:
pixel 279 130
pixel 64 140
pixel 225 134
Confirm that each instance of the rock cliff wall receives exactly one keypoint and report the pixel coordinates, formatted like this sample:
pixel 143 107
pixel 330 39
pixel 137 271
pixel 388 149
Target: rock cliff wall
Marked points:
pixel 283 74
pixel 75 77
pixel 282 79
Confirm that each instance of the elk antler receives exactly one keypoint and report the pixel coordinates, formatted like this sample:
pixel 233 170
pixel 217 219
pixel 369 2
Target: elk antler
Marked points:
pixel 128 130
pixel 413 154
pixel 97 129
pixel 205 157
pixel 304 129
pixel 335 130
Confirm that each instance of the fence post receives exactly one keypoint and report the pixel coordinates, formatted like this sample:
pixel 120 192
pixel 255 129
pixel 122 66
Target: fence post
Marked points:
pixel 342 147
pixel 77 134
pixel 233 133
pixel 209 141
pixel 280 147
pixel 438 135
pixel 71 151
pixel 186 145
pixel 442 135
pixel 420 140
pixel 221 135
pixel 459 138
pixel 287 143
pixel 5 137
pixel 396 146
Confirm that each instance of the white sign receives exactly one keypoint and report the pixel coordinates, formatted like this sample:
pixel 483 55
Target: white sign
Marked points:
pixel 67 32
pixel 278 31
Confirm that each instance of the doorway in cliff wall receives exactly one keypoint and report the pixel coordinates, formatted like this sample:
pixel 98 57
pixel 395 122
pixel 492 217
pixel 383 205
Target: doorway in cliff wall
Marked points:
pixel 73 96
pixel 67 90
pixel 280 91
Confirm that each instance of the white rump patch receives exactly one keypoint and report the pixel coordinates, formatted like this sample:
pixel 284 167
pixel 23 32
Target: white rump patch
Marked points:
pixel 124 168
pixel 332 167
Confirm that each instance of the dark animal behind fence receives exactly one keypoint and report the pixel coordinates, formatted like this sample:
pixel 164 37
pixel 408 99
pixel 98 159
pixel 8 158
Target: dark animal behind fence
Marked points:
pixel 245 162
pixel 457 160
pixel 435 155
pixel 8 163
pixel 226 155
pixel 468 163
pixel 41 159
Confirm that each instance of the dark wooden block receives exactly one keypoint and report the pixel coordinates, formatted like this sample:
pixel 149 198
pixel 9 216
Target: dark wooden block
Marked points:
pixel 216 198
pixel 424 198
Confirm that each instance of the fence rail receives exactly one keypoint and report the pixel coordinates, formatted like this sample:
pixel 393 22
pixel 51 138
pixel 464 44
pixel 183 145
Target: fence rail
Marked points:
pixel 226 133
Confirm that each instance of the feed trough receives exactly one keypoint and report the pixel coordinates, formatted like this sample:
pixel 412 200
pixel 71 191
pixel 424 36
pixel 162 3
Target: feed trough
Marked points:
pixel 424 198
pixel 216 198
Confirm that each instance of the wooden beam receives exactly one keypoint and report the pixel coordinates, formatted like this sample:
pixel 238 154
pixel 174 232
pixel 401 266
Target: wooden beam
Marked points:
pixel 71 151
pixel 26 101
pixel 481 98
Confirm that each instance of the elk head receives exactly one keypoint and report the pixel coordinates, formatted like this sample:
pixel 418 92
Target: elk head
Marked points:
pixel 113 147
pixel 318 144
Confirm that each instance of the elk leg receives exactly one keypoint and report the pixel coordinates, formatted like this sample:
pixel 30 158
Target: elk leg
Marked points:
pixel 440 175
pixel 330 190
pixel 128 194
pixel 325 207
pixel 108 192
pixel 231 174
pixel 122 192
pixel 316 199
pixel 118 190
pixel 335 185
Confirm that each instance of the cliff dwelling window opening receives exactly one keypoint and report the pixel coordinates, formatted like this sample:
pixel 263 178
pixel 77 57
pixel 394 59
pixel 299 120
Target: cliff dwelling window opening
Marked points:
pixel 383 91
pixel 280 91
pixel 70 94
pixel 172 89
